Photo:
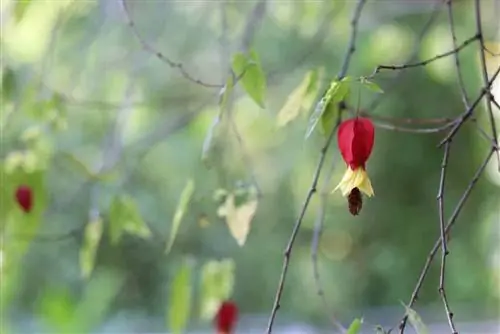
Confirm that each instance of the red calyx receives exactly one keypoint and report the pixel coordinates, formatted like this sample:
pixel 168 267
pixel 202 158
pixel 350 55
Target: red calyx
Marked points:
pixel 24 197
pixel 355 139
pixel 226 317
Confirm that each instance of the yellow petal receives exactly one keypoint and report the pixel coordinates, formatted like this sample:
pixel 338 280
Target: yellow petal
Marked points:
pixel 357 178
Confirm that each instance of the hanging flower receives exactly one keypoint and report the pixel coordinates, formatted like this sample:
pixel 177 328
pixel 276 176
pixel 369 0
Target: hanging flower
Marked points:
pixel 226 317
pixel 24 197
pixel 355 139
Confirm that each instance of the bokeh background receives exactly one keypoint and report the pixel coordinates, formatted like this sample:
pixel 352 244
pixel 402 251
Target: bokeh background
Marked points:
pixel 107 134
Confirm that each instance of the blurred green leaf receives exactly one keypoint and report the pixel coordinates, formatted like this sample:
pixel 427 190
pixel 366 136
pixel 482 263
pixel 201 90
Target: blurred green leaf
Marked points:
pixel 238 218
pixel 180 299
pixel 124 216
pixel 97 299
pixel 186 195
pixel 91 238
pixel 291 108
pixel 20 8
pixel 337 92
pixel 355 326
pixel 253 78
pixel 217 282
pixel 415 320
pixel 57 310
pixel 370 85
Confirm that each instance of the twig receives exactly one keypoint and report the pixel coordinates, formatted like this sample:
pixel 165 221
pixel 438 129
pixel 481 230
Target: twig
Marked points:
pixel 413 56
pixel 160 55
pixel 479 29
pixel 427 61
pixel 493 54
pixel 317 173
pixel 252 23
pixel 468 113
pixel 444 246
pixel 449 225
pixel 460 79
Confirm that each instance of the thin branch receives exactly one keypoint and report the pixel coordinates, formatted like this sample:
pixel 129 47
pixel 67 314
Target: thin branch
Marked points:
pixel 427 61
pixel 482 56
pixel 449 225
pixel 252 23
pixel 413 56
pixel 493 54
pixel 468 113
pixel 444 246
pixel 460 79
pixel 146 46
pixel 317 173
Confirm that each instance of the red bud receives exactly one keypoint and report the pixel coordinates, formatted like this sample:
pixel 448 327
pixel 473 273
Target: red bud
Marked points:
pixel 226 318
pixel 355 140
pixel 24 197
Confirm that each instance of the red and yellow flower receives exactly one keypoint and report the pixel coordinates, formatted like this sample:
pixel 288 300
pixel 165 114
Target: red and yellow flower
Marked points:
pixel 355 139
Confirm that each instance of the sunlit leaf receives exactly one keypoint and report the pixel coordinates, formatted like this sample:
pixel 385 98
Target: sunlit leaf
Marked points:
pixel 415 320
pixel 291 108
pixel 180 299
pixel 91 238
pixel 186 195
pixel 238 218
pixel 253 78
pixel 20 8
pixel 124 216
pixel 371 85
pixel 217 282
pixel 355 326
pixel 337 92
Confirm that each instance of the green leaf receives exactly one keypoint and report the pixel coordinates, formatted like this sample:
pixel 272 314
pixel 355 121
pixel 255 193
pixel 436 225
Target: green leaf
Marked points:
pixel 20 8
pixel 253 78
pixel 337 92
pixel 355 326
pixel 370 85
pixel 186 195
pixel 124 216
pixel 180 299
pixel 56 310
pixel 293 105
pixel 415 321
pixel 217 283
pixel 91 238
pixel 329 118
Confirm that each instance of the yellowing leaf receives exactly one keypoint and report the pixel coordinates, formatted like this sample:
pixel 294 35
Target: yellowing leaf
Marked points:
pixel 91 238
pixel 186 195
pixel 239 218
pixel 217 282
pixel 252 75
pixel 124 216
pixel 180 294
pixel 293 104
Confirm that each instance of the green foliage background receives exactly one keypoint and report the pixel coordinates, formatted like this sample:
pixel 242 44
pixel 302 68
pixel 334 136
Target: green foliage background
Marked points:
pixel 109 136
